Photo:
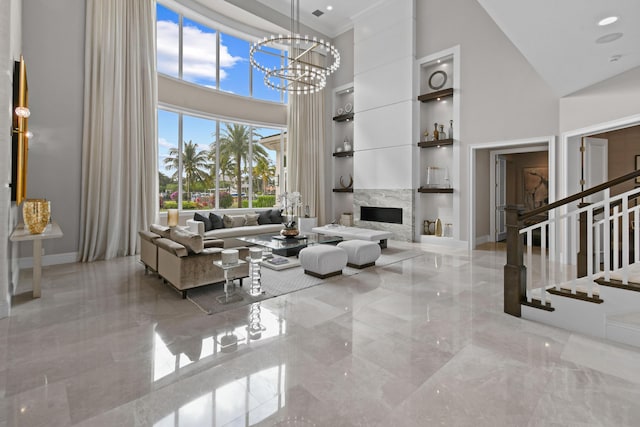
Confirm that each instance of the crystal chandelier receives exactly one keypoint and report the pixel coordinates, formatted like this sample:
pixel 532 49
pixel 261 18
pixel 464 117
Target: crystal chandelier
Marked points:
pixel 305 66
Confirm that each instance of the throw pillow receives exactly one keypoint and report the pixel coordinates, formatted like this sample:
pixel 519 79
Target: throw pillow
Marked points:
pixel 208 226
pixel 276 217
pixel 232 221
pixel 264 217
pixel 192 241
pixel 216 221
pixel 251 219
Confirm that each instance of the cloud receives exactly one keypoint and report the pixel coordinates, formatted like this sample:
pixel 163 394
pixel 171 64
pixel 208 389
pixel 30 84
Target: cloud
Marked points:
pixel 164 143
pixel 199 52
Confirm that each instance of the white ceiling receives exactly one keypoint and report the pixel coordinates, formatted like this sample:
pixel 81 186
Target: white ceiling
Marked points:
pixel 558 37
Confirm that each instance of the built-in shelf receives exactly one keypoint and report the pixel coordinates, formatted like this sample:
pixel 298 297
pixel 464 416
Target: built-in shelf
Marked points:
pixel 434 96
pixel 432 144
pixel 435 190
pixel 343 190
pixel 343 154
pixel 343 117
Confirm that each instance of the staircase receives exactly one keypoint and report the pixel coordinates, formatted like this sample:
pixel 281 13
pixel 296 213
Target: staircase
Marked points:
pixel 585 274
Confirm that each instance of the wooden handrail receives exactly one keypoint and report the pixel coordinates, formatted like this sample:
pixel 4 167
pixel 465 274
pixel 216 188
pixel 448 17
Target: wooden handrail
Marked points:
pixel 577 196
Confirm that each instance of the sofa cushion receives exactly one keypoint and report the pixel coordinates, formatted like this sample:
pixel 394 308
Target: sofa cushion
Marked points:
pixel 207 222
pixel 233 221
pixel 191 241
pixel 148 236
pixel 264 217
pixel 161 230
pixel 251 219
pixel 276 216
pixel 216 221
pixel 213 243
pixel 250 230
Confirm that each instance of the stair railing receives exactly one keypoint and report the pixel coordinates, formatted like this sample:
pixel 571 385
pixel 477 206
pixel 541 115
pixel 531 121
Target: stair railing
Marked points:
pixel 572 244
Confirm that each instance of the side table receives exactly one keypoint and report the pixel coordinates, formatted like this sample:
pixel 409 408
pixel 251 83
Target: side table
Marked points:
pixel 21 234
pixel 228 281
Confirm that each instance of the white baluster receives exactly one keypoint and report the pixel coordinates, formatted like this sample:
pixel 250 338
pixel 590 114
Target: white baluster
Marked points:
pixel 590 249
pixel 529 260
pixel 607 235
pixel 573 249
pixel 616 240
pixel 625 240
pixel 636 230
pixel 543 263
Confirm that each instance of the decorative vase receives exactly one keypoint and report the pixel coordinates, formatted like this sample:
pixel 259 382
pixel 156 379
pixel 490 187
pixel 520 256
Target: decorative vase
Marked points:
pixel 429 227
pixel 35 213
pixel 289 233
pixel 441 133
pixel 347 145
pixel 436 135
pixel 450 129
pixel 439 231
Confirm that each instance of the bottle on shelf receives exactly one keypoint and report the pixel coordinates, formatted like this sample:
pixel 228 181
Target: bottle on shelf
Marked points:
pixel 436 135
pixel 439 231
pixel 442 134
pixel 450 129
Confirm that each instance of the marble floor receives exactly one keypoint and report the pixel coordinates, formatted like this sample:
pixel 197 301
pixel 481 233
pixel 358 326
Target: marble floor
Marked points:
pixel 420 342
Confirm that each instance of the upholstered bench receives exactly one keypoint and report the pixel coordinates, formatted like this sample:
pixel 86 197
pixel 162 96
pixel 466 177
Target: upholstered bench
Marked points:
pixel 360 253
pixel 323 261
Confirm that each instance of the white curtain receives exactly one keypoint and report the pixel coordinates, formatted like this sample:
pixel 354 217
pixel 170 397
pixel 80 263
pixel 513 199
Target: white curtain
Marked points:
pixel 306 151
pixel 119 153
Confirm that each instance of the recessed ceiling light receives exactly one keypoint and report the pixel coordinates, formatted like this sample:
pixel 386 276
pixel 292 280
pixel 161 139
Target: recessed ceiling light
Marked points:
pixel 607 21
pixel 329 7
pixel 608 38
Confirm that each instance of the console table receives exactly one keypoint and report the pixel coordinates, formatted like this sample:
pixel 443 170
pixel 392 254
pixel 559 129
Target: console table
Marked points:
pixel 21 234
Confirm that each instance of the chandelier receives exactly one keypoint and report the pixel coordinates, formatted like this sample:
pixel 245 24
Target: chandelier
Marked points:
pixel 305 62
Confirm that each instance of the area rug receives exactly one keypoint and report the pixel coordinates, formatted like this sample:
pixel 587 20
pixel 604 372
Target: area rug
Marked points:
pixel 276 283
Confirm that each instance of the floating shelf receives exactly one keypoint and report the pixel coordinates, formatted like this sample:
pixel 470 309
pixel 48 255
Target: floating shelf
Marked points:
pixel 343 154
pixel 435 144
pixel 433 96
pixel 343 117
pixel 343 190
pixel 435 190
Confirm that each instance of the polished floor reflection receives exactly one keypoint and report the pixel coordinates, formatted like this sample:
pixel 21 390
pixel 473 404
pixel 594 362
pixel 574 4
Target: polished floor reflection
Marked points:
pixel 419 342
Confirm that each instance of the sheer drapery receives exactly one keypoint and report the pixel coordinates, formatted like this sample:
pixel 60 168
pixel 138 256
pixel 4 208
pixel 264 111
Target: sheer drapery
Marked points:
pixel 119 153
pixel 306 151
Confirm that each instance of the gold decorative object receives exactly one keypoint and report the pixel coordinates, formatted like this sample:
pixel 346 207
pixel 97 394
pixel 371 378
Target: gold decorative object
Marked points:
pixel 289 232
pixel 172 217
pixel 35 213
pixel 348 185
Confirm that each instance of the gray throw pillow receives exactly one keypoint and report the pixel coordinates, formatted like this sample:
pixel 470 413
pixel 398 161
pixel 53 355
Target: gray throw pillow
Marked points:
pixel 208 226
pixel 216 221
pixel 276 217
pixel 232 221
pixel 251 219
pixel 265 217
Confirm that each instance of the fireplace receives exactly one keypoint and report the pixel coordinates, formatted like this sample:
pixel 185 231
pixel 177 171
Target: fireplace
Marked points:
pixel 376 214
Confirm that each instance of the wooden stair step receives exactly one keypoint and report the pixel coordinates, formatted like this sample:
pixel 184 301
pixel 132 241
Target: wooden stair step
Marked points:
pixel 579 295
pixel 615 283
pixel 537 303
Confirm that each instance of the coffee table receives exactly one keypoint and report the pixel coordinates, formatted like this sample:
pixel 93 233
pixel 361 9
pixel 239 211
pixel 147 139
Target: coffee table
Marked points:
pixel 289 247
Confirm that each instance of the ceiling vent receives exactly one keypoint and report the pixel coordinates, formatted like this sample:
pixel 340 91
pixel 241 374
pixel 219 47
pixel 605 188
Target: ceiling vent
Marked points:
pixel 318 13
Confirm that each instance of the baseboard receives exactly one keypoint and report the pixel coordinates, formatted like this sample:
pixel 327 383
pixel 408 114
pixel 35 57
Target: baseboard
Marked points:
pixel 483 239
pixel 53 259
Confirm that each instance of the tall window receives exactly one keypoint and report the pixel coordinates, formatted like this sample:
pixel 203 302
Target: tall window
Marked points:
pixel 206 164
pixel 197 53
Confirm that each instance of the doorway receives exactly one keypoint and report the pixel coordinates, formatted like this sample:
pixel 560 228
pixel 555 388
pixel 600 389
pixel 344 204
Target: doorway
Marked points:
pixel 483 204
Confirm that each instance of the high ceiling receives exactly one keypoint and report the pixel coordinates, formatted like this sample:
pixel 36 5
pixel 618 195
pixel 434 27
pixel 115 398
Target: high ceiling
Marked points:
pixel 557 37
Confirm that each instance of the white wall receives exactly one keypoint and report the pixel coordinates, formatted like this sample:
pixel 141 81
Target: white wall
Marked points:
pixel 501 96
pixel 344 74
pixel 383 82
pixel 606 101
pixel 53 48
pixel 10 28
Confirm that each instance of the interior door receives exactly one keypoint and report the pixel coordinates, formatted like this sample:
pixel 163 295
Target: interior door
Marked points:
pixel 501 198
pixel 595 167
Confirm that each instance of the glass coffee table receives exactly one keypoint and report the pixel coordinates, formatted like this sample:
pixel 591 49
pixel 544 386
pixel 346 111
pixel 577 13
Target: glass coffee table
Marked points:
pixel 288 247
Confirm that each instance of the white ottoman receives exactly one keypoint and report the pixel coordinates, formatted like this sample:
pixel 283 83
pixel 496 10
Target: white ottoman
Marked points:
pixel 360 253
pixel 323 260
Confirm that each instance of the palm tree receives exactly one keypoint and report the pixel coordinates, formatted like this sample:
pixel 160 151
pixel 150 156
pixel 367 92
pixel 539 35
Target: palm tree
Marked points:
pixel 194 163
pixel 263 171
pixel 234 143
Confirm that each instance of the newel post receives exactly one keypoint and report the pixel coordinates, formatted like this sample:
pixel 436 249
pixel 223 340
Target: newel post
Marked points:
pixel 582 244
pixel 515 279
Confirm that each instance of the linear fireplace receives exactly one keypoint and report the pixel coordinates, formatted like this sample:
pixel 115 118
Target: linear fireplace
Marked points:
pixel 389 215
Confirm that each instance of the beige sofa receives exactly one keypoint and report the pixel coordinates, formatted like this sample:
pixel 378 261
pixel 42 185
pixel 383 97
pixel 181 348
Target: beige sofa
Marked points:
pixel 184 259
pixel 235 226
